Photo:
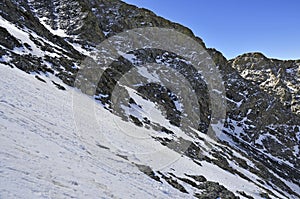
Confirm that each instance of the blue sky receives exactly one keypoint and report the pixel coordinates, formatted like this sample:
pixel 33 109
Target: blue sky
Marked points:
pixel 235 27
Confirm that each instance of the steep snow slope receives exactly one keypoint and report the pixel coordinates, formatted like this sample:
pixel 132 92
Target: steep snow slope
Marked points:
pixel 43 155
pixel 258 154
pixel 51 147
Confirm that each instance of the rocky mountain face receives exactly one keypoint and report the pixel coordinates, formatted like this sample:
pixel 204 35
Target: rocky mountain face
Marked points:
pixel 279 78
pixel 263 95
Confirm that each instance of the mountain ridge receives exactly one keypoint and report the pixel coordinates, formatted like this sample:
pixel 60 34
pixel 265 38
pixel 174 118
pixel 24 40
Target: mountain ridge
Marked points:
pixel 262 122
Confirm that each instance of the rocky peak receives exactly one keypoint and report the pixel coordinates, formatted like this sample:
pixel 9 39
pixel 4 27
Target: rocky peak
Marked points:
pixel 279 78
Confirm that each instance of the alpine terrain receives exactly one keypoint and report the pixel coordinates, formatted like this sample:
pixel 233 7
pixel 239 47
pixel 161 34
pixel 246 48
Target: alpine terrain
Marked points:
pixel 80 119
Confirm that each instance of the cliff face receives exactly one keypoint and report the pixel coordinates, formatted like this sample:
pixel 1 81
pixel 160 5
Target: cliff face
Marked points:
pixel 279 78
pixel 263 95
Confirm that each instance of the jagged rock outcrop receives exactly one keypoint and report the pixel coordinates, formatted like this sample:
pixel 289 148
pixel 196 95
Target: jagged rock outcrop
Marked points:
pixel 279 78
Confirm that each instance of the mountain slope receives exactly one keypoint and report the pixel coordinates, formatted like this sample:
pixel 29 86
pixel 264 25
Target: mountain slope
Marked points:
pixel 45 154
pixel 258 146
pixel 280 78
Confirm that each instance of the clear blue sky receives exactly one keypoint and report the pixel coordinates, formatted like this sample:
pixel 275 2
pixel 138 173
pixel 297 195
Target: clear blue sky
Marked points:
pixel 235 27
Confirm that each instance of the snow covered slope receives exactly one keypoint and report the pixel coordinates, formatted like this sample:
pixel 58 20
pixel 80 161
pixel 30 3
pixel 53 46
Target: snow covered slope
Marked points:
pixel 58 143
pixel 46 152
pixel 43 154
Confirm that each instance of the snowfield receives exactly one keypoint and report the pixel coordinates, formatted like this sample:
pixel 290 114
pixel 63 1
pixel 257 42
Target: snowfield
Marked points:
pixel 43 156
pixel 63 144
pixel 57 142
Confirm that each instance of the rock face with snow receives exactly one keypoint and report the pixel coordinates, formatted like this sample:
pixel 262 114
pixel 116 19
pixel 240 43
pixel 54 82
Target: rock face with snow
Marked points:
pixel 256 153
pixel 279 78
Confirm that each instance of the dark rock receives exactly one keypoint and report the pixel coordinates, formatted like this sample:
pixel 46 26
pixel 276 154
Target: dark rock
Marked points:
pixel 60 87
pixel 42 80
